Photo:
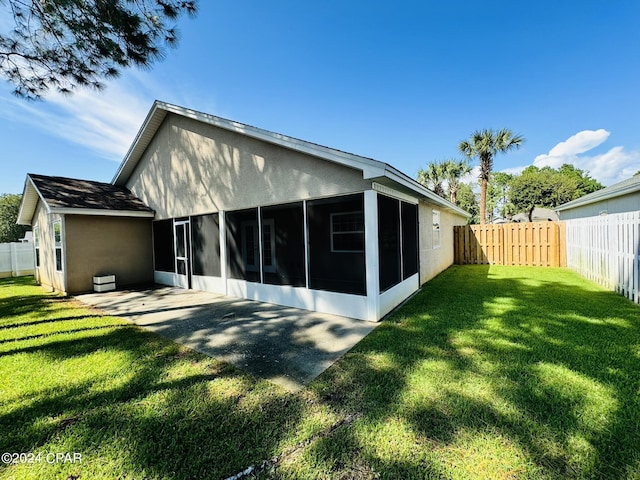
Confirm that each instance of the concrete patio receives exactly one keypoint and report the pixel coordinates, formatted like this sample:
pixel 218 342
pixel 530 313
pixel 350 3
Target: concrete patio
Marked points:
pixel 285 345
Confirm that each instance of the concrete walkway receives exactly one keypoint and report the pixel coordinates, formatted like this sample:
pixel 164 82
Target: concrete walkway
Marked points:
pixel 286 345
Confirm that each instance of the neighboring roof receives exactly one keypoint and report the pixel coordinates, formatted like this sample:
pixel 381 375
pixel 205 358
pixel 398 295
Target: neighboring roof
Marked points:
pixel 79 197
pixel 371 169
pixel 625 187
pixel 538 214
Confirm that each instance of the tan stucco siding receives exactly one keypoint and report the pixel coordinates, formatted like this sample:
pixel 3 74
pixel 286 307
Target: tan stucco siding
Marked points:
pixel 191 167
pixel 97 245
pixel 46 274
pixel 434 259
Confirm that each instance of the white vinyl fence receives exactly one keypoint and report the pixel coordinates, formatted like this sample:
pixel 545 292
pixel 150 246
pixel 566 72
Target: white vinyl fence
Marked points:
pixel 16 259
pixel 606 250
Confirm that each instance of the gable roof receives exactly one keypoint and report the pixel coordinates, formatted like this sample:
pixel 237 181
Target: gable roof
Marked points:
pixel 625 187
pixel 79 197
pixel 371 169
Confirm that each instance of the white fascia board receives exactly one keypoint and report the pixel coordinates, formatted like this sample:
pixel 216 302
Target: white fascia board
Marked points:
pixel 598 198
pixel 422 191
pixel 30 197
pixel 140 142
pixel 371 168
pixel 102 212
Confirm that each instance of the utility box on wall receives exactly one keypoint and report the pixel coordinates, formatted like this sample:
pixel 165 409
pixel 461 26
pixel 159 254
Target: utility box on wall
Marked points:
pixel 104 283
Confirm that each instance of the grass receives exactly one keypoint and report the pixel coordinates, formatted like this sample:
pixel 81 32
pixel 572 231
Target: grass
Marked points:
pixel 501 372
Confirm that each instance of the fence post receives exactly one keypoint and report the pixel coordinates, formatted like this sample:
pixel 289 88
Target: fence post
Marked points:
pixel 14 260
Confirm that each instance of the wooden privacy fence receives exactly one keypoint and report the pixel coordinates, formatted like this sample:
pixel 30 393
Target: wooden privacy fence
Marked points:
pixel 606 250
pixel 531 244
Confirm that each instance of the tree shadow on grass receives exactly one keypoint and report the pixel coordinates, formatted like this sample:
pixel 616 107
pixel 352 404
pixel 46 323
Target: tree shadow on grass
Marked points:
pixel 547 368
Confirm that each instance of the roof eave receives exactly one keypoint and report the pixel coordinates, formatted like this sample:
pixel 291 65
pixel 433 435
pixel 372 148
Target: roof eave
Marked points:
pixel 580 202
pixel 103 212
pixel 423 192
pixel 30 197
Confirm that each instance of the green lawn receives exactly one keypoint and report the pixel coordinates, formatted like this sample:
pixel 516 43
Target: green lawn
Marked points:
pixel 500 372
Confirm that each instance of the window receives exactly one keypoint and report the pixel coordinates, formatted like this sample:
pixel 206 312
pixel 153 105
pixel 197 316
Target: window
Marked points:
pixel 57 240
pixel 36 244
pixel 268 246
pixel 436 228
pixel 347 232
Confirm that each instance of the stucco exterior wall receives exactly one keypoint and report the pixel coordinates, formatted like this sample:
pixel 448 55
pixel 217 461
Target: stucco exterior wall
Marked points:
pixel 435 259
pixel 97 245
pixel 621 204
pixel 46 274
pixel 191 168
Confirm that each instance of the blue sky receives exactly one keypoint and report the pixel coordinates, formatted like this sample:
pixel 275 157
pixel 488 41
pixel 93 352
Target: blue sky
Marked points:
pixel 402 82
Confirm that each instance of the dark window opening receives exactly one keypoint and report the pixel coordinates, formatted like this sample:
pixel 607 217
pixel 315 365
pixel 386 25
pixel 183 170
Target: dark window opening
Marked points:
pixel 339 269
pixel 388 242
pixel 242 245
pixel 163 249
pixel 409 240
pixel 205 244
pixel 283 260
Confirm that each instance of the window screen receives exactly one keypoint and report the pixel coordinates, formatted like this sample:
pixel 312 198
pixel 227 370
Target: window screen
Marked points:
pixel 243 253
pixel 409 240
pixel 205 245
pixel 283 260
pixel 388 241
pixel 340 269
pixel 163 252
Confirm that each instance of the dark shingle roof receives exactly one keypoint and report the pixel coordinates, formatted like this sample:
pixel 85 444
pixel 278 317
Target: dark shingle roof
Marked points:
pixel 62 192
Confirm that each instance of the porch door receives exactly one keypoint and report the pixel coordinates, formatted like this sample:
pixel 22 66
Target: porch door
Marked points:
pixel 183 262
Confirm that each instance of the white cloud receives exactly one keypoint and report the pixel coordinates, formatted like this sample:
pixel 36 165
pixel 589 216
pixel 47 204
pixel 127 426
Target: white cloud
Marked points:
pixel 104 122
pixel 608 168
pixel 580 142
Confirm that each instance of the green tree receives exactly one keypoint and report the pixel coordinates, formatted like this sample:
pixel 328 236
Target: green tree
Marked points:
pixel 10 231
pixel 541 187
pixel 453 171
pixel 467 200
pixel 585 183
pixel 448 171
pixel 498 195
pixel 432 178
pixel 485 144
pixel 65 44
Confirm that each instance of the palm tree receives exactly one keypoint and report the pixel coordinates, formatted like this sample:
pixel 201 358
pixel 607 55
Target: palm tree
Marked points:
pixel 453 171
pixel 432 178
pixel 484 144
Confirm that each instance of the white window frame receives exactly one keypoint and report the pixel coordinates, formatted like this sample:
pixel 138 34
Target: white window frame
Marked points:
pixel 437 228
pixel 270 223
pixel 350 232
pixel 250 267
pixel 57 245
pixel 36 245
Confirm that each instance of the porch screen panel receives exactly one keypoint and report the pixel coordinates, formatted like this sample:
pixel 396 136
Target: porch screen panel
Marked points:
pixel 205 245
pixel 409 239
pixel 283 245
pixel 243 249
pixel 163 247
pixel 336 244
pixel 388 242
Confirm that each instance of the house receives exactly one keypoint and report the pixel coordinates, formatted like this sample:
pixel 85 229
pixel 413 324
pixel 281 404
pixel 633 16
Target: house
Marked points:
pixel 211 204
pixel 621 197
pixel 82 229
pixel 539 214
